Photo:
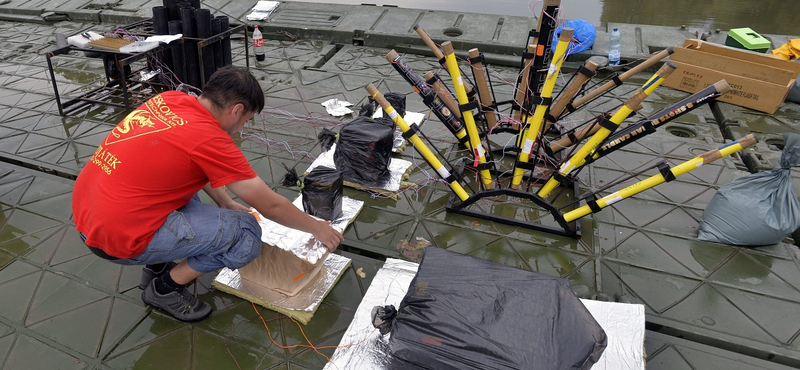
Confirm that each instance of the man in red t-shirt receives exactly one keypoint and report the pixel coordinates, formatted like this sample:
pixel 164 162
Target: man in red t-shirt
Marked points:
pixel 136 200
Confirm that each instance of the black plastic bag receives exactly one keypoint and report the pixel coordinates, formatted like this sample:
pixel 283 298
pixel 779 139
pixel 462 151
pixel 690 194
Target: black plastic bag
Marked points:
pixel 364 151
pixel 463 312
pixel 397 100
pixel 757 209
pixel 322 193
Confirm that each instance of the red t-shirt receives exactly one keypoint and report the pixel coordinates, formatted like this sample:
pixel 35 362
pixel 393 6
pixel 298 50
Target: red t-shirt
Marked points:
pixel 149 165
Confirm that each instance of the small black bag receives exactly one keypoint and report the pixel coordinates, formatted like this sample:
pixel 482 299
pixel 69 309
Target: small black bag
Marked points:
pixel 364 151
pixel 322 193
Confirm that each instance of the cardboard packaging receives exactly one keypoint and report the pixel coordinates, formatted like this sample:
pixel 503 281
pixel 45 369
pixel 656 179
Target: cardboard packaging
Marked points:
pixel 281 270
pixel 757 81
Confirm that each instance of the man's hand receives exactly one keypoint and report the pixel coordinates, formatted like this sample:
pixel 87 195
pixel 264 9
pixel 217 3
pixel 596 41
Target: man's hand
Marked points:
pixel 327 235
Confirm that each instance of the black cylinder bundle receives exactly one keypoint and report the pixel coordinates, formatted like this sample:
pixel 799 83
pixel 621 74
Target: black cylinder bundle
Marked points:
pixel 203 19
pixel 190 47
pixel 195 3
pixel 224 25
pixel 178 68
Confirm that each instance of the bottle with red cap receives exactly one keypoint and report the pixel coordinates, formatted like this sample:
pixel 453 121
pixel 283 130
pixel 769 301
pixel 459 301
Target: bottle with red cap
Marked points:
pixel 258 44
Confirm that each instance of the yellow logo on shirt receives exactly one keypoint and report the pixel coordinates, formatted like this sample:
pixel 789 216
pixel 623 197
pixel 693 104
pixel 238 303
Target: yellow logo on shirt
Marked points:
pixel 153 117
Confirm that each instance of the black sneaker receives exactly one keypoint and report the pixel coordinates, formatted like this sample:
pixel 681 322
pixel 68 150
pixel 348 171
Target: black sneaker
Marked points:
pixel 181 304
pixel 148 274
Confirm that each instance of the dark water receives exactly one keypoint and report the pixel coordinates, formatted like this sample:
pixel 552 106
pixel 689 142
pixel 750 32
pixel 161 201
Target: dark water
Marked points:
pixel 764 16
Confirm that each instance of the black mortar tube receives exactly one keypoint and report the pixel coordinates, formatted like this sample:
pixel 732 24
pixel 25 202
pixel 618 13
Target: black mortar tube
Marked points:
pixel 160 19
pixel 203 19
pixel 160 27
pixel 195 3
pixel 179 67
pixel 224 25
pixel 190 47
pixel 217 46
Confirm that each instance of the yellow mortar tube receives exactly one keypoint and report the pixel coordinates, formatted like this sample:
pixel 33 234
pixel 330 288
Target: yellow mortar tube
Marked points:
pixel 696 162
pixel 535 122
pixel 579 158
pixel 469 119
pixel 417 142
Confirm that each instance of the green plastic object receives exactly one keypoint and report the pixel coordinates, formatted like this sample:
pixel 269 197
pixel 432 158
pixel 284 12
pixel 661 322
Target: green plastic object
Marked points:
pixel 746 38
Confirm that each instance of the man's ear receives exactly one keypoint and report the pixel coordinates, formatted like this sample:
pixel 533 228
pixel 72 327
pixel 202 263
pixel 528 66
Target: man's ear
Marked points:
pixel 238 109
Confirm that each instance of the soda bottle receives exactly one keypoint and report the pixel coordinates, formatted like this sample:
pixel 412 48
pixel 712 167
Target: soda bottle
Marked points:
pixel 614 47
pixel 258 44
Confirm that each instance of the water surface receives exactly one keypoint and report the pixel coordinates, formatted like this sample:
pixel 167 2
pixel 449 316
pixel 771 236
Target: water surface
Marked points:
pixel 763 16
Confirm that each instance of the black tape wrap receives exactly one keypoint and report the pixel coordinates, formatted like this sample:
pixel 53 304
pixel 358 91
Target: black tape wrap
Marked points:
pixel 485 166
pixel 617 80
pixel 538 100
pixel 608 125
pixel 468 107
pixel 478 59
pixel 593 206
pixel 531 166
pixel 586 72
pixel 666 171
pixel 412 130
pixel 563 180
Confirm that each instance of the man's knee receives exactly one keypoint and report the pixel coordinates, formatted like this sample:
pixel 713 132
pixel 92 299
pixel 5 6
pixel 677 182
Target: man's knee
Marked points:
pixel 247 245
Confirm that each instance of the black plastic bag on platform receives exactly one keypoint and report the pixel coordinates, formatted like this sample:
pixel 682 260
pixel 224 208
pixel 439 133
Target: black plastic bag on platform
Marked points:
pixel 757 209
pixel 463 312
pixel 364 151
pixel 322 193
pixel 398 102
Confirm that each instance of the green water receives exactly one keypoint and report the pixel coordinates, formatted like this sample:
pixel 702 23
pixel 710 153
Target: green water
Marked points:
pixel 764 16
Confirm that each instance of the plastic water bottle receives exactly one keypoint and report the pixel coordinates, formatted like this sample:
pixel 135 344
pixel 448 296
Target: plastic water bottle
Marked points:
pixel 614 47
pixel 258 44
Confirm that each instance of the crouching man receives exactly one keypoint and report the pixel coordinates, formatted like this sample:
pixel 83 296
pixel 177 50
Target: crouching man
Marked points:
pixel 136 202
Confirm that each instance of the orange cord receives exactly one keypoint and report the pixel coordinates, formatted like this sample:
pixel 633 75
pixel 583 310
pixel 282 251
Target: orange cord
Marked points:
pixel 234 358
pixel 309 345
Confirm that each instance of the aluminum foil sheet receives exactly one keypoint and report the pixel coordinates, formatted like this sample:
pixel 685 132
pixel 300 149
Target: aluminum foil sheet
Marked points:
pixel 388 288
pixel 337 108
pixel 363 347
pixel 300 243
pixel 397 168
pixel 262 10
pixel 306 300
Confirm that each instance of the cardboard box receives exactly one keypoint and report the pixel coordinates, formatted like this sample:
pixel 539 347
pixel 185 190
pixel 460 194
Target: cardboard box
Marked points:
pixel 757 81
pixel 281 270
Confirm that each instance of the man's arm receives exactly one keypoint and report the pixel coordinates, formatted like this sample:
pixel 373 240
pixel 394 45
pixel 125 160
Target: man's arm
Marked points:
pixel 279 209
pixel 223 200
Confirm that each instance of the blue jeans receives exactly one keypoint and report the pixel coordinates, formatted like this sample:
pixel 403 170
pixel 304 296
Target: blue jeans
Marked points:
pixel 209 237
